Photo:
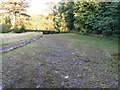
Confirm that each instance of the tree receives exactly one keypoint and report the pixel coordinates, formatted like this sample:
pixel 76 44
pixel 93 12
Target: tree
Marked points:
pixel 15 8
pixel 88 17
pixel 63 19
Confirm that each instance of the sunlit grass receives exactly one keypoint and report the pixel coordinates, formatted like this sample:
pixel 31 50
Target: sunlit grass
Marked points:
pixel 15 38
pixel 105 44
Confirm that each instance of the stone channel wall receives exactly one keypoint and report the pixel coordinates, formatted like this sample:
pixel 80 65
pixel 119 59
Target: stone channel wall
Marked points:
pixel 20 44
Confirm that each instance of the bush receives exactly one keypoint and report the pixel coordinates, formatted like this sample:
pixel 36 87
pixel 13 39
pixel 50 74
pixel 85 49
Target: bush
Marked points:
pixel 107 33
pixel 116 36
pixel 83 32
pixel 5 28
pixel 18 29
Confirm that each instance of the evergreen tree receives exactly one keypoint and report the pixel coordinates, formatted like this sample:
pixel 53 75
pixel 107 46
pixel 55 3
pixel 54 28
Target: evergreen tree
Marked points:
pixel 14 8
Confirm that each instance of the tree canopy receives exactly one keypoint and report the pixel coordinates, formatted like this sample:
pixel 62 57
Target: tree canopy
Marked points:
pixel 88 17
pixel 14 8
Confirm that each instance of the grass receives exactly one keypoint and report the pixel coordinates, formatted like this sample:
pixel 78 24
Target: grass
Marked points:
pixel 6 41
pixel 7 44
pixel 106 45
pixel 39 60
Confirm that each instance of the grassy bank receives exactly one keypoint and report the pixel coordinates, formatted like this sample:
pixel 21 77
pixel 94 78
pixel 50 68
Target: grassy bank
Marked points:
pixel 12 38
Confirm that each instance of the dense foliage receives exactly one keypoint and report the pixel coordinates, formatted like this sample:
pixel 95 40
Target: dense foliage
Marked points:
pixel 35 22
pixel 15 9
pixel 88 17
pixel 40 22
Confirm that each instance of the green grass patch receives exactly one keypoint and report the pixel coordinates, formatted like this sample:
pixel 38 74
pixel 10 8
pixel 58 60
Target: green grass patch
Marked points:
pixel 19 39
pixel 7 44
pixel 105 44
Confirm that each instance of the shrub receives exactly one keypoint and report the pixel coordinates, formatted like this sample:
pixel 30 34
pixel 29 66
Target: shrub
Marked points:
pixel 5 28
pixel 18 29
pixel 83 32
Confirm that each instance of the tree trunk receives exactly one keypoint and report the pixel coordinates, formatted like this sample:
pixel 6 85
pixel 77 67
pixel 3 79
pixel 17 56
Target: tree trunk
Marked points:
pixel 13 20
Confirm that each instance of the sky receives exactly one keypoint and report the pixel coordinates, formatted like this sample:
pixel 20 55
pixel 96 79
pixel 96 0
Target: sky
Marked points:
pixel 38 7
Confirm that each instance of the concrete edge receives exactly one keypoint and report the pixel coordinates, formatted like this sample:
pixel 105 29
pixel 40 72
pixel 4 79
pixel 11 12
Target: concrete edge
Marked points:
pixel 20 44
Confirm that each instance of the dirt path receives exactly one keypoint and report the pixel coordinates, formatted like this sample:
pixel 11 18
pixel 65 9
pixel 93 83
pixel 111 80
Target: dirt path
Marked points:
pixel 55 61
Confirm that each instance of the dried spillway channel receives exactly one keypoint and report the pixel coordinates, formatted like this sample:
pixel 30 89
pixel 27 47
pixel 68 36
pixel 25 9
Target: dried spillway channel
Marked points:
pixel 20 44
